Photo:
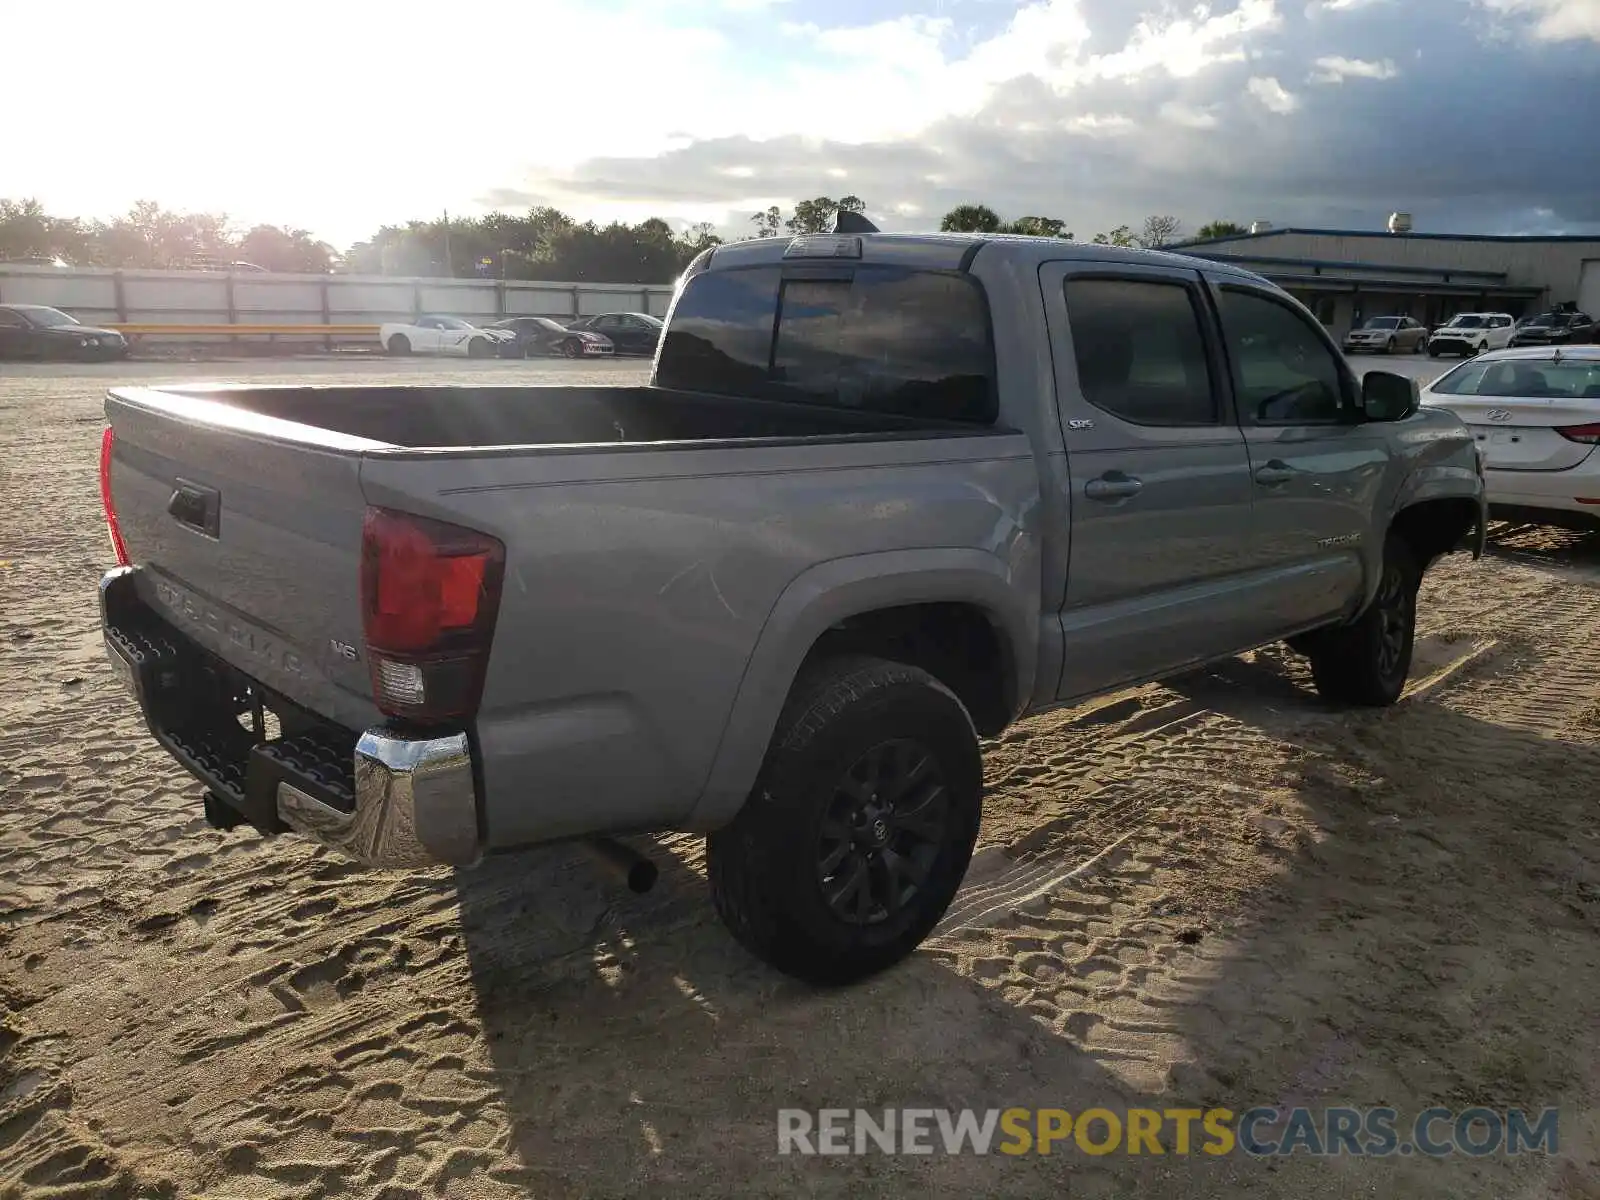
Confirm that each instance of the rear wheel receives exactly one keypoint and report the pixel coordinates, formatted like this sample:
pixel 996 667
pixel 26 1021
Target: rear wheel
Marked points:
pixel 860 827
pixel 1366 662
pixel 399 344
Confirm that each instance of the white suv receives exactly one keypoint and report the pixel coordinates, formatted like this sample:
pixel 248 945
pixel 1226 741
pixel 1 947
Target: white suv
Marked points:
pixel 1472 333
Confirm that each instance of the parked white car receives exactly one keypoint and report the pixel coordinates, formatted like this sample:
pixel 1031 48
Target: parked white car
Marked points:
pixel 443 335
pixel 1535 414
pixel 1472 333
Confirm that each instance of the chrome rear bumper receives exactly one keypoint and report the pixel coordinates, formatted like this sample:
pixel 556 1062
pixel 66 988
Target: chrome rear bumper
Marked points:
pixel 415 804
pixel 379 797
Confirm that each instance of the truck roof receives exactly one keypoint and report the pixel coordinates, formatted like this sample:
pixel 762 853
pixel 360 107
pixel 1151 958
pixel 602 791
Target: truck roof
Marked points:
pixel 949 251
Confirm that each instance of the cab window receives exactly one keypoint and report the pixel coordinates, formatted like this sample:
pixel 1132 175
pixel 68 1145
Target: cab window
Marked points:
pixel 1283 372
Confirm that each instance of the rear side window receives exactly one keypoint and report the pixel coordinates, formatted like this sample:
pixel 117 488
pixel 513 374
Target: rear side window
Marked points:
pixel 884 339
pixel 1140 353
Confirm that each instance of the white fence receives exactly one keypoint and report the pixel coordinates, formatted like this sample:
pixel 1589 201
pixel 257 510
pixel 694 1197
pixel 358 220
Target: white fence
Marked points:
pixel 136 297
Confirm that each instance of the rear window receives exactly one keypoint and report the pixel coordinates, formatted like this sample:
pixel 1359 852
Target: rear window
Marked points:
pixel 878 338
pixel 1569 380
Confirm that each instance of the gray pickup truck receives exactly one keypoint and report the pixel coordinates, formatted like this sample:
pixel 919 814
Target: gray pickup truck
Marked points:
pixel 883 495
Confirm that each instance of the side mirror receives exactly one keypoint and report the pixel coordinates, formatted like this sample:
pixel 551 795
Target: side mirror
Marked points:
pixel 1386 396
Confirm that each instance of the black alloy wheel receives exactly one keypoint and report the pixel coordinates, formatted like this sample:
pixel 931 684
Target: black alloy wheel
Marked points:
pixel 882 832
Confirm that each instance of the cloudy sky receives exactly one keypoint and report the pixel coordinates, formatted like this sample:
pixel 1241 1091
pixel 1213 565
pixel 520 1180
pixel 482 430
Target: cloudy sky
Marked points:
pixel 340 115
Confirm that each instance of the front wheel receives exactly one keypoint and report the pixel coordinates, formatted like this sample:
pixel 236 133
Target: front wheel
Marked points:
pixel 860 826
pixel 1433 351
pixel 1388 347
pixel 571 349
pixel 1366 663
pixel 1483 348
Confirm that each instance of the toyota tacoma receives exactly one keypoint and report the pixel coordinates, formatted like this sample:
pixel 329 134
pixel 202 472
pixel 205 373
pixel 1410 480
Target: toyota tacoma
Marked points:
pixel 882 496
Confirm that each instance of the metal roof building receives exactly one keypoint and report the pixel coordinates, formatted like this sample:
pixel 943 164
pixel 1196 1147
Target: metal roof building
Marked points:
pixel 1346 276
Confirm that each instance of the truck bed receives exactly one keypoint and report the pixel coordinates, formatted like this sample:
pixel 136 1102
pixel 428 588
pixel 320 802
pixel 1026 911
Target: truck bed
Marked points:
pixel 430 417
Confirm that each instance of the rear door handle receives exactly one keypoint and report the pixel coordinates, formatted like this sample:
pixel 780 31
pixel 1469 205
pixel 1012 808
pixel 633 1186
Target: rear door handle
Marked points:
pixel 1113 485
pixel 1275 472
pixel 197 507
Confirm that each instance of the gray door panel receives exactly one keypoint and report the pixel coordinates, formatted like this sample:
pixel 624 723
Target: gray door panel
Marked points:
pixel 1160 633
pixel 1160 512
pixel 1311 527
pixel 1155 580
pixel 1187 523
pixel 1316 476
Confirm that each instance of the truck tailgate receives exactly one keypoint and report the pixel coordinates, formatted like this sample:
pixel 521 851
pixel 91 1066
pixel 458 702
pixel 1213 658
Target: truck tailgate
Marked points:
pixel 250 543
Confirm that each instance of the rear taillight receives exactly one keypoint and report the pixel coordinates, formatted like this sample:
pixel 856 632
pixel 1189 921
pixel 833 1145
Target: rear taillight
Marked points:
pixel 1589 435
pixel 117 546
pixel 429 596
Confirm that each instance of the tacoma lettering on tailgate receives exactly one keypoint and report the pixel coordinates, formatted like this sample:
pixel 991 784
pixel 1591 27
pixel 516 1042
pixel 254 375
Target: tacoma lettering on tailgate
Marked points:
pixel 196 612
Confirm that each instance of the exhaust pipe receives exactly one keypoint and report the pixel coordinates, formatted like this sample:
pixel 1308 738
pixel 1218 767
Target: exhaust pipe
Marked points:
pixel 624 863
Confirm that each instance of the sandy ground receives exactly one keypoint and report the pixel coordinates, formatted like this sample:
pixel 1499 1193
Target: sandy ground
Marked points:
pixel 1213 892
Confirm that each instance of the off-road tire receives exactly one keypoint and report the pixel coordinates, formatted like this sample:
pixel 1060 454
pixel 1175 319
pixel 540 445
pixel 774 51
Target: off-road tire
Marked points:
pixel 767 870
pixel 1366 662
pixel 399 345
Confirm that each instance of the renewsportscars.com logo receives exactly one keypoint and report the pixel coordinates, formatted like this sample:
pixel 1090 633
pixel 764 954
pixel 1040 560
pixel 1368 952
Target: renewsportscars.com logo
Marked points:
pixel 1260 1132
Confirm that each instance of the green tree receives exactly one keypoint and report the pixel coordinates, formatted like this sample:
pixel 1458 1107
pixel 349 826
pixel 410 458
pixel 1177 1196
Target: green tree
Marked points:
pixel 415 248
pixel 970 218
pixel 293 251
pixel 1120 236
pixel 1220 229
pixel 1158 232
pixel 698 237
pixel 148 235
pixel 767 223
pixel 816 216
pixel 543 243
pixel 1039 227
pixel 177 240
pixel 980 218
pixel 25 230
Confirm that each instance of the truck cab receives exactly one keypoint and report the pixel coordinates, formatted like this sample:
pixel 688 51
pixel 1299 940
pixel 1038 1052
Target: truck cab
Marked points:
pixel 1213 475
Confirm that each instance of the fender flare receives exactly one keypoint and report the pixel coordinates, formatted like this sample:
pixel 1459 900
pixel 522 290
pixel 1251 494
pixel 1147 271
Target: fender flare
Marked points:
pixel 826 594
pixel 1447 481
pixel 1441 481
